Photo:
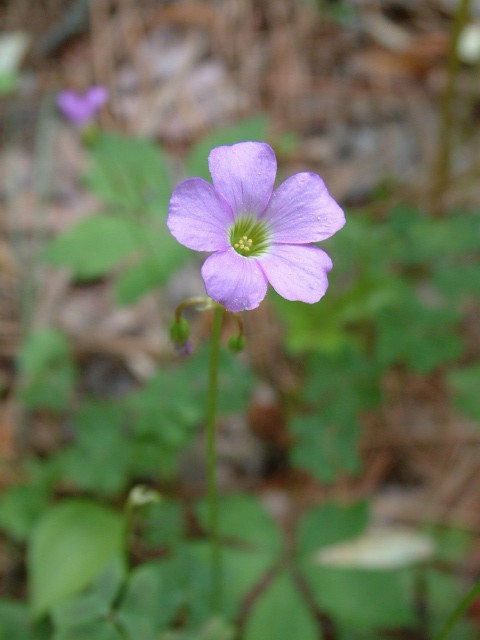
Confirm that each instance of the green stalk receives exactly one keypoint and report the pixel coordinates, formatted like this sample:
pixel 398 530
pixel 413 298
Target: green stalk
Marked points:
pixel 442 166
pixel 212 489
pixel 458 612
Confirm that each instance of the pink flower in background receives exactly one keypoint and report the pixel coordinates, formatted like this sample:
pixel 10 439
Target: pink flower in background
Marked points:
pixel 258 235
pixel 81 108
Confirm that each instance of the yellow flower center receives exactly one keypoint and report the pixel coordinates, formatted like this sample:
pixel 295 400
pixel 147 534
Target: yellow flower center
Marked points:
pixel 249 237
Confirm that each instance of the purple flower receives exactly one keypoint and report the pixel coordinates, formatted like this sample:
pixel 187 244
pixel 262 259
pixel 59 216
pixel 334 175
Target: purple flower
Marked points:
pixel 258 235
pixel 81 108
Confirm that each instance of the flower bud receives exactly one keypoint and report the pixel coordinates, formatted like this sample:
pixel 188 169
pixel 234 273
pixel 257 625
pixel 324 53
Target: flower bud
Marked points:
pixel 237 343
pixel 141 495
pixel 179 331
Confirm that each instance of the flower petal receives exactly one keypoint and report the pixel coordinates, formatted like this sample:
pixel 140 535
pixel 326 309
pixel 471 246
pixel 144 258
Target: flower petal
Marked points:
pixel 297 272
pixel 234 281
pixel 198 217
pixel 73 107
pixel 244 174
pixel 301 211
pixel 96 96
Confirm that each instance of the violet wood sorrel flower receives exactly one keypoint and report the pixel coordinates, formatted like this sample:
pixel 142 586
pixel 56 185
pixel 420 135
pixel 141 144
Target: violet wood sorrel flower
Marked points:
pixel 258 235
pixel 81 108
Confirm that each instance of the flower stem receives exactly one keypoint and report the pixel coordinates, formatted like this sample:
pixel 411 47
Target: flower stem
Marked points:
pixel 212 489
pixel 458 612
pixel 442 166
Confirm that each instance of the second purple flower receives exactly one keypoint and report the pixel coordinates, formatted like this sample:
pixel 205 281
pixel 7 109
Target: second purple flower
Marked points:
pixel 258 235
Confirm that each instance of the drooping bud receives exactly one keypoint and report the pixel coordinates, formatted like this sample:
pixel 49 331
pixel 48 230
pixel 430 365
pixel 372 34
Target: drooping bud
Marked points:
pixel 180 332
pixel 237 343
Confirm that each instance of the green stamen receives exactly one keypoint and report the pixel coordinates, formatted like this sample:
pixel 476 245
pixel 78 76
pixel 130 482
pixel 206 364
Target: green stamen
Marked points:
pixel 249 237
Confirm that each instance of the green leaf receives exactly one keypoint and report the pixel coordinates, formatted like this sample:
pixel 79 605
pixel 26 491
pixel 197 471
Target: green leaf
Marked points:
pixel 280 613
pixel 95 603
pixel 244 519
pixel 331 523
pixel 326 377
pixel 94 245
pixel 163 525
pixel 15 623
pixel 326 440
pixel 150 601
pixel 130 173
pixel 98 630
pixel 465 384
pixel 254 128
pixel 444 593
pixel 69 548
pixel 214 629
pixel 419 337
pixel 243 571
pixel 363 599
pixel 167 411
pixel 151 271
pixel 458 281
pixel 325 449
pixel 360 287
pixel 236 380
pixel 99 459
pixel 20 508
pixel 48 371
pixel 451 545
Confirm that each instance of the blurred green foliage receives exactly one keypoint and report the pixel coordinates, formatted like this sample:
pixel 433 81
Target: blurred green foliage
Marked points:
pixel 400 292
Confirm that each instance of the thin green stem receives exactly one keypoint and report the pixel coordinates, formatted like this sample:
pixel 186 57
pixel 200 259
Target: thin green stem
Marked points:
pixel 458 612
pixel 442 166
pixel 212 489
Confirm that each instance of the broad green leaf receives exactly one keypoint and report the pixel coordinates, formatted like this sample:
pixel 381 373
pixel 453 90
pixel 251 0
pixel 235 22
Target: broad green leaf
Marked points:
pixel 465 383
pixel 69 548
pixel 213 629
pixel 94 245
pixel 331 523
pixel 244 519
pixel 48 370
pixel 281 613
pixel 95 603
pixel 243 571
pixel 363 599
pixel 254 128
pixel 15 623
pixel 131 174
pixel 444 593
pixel 20 508
pixel 150 601
pixel 98 630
